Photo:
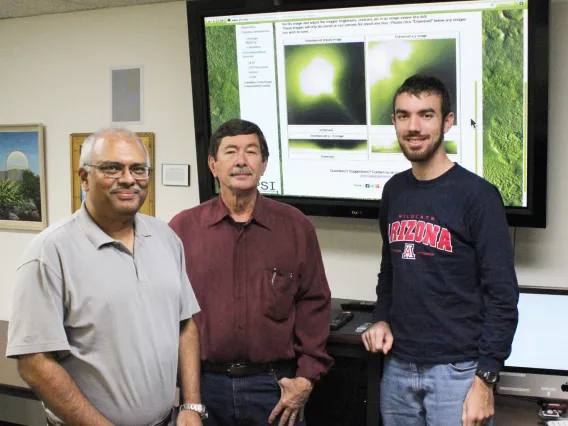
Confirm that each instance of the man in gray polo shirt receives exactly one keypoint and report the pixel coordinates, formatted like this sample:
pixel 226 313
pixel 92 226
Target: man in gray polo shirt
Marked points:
pixel 102 308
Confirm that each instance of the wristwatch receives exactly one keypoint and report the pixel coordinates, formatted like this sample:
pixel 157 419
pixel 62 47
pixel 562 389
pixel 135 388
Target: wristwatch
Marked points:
pixel 487 376
pixel 200 408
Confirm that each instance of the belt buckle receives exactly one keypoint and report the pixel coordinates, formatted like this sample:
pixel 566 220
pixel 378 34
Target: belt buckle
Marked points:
pixel 237 369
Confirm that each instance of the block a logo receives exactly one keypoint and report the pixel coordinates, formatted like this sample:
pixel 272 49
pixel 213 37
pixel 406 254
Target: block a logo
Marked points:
pixel 408 252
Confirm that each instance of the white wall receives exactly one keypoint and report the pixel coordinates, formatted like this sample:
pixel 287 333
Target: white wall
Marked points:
pixel 55 70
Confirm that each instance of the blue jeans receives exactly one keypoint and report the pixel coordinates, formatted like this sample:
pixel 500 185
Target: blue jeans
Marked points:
pixel 242 401
pixel 424 394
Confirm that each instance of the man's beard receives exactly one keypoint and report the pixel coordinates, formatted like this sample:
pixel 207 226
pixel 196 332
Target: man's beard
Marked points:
pixel 422 156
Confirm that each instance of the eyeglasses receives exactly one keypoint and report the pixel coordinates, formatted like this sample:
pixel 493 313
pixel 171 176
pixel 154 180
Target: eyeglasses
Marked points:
pixel 116 171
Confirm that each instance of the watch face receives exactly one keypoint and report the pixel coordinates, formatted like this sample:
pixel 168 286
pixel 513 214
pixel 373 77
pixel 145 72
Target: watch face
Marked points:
pixel 487 376
pixel 492 378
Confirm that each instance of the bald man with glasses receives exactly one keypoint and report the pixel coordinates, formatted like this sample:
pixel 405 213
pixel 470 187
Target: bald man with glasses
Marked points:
pixel 102 313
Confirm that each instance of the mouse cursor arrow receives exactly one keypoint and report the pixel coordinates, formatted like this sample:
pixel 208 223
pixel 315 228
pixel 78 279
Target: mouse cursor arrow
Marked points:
pixel 473 124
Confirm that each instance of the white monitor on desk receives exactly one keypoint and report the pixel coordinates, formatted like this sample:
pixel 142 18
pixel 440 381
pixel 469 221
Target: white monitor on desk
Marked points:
pixel 538 365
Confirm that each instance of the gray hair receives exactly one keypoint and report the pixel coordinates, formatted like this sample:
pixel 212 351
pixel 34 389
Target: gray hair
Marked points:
pixel 88 145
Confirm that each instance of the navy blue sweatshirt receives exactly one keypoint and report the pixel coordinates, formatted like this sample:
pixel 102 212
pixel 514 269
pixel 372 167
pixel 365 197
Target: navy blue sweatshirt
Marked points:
pixel 447 284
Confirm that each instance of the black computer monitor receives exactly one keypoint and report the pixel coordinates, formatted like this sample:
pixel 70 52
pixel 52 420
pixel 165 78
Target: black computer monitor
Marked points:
pixel 318 77
pixel 538 365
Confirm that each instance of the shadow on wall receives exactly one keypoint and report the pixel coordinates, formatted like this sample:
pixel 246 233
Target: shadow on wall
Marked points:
pixel 355 236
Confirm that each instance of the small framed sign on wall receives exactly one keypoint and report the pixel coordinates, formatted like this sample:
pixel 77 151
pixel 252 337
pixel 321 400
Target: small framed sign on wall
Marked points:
pixel 175 174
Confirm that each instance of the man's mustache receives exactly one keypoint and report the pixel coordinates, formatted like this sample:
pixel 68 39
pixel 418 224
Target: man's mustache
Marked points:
pixel 119 189
pixel 240 171
pixel 412 135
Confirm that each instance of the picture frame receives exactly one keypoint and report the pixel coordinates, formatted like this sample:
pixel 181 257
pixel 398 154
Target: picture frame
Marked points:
pixel 23 200
pixel 77 139
pixel 175 174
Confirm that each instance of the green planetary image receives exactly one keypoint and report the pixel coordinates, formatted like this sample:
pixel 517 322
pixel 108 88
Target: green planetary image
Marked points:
pixel 391 62
pixel 394 148
pixel 329 145
pixel 222 74
pixel 325 84
pixel 503 103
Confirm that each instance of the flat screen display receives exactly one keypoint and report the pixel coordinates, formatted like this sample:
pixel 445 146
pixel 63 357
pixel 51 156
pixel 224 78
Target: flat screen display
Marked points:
pixel 540 340
pixel 537 366
pixel 320 84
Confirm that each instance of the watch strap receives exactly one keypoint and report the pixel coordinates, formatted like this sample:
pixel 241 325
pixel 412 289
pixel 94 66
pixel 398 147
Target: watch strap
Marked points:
pixel 488 377
pixel 199 408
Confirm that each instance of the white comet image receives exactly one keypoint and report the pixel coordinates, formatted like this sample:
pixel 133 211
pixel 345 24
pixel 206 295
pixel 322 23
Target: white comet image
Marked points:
pixel 382 56
pixel 317 77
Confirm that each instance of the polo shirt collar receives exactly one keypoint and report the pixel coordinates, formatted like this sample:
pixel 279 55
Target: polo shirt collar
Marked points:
pixel 97 236
pixel 260 215
pixel 141 229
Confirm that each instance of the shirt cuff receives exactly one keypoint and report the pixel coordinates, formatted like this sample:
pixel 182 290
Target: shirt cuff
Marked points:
pixel 380 316
pixel 311 369
pixel 489 364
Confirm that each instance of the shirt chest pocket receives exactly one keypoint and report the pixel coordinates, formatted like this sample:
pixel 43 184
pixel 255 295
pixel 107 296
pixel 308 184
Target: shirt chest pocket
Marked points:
pixel 278 293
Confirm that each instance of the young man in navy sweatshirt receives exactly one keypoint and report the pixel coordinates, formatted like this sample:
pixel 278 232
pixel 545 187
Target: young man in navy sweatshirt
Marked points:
pixel 447 293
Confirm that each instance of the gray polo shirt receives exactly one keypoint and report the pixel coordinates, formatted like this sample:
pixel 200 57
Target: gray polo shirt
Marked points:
pixel 113 318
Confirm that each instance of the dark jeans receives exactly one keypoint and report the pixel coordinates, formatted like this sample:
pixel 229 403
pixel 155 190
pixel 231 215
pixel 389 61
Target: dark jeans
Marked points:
pixel 242 401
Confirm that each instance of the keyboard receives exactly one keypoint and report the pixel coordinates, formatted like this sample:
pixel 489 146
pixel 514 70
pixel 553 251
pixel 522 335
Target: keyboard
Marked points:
pixel 557 423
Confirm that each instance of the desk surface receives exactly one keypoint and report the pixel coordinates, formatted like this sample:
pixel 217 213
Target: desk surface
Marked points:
pixel 347 333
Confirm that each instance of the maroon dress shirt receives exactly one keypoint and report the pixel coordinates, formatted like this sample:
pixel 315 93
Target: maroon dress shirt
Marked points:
pixel 261 286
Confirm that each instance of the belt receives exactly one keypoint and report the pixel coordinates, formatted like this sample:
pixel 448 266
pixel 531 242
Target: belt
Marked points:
pixel 166 419
pixel 164 422
pixel 242 369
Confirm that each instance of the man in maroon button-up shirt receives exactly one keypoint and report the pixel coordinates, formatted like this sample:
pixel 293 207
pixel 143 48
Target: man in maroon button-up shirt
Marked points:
pixel 256 268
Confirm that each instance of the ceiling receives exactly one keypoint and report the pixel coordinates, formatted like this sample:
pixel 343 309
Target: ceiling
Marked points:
pixel 20 8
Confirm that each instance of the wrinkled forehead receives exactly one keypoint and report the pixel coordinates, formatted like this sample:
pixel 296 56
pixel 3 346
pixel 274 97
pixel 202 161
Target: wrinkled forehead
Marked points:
pixel 240 141
pixel 118 147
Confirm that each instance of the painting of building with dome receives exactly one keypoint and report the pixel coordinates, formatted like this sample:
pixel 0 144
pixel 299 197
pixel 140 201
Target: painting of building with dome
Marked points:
pixel 22 186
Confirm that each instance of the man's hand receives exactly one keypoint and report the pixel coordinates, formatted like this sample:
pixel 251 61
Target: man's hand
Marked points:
pixel 478 407
pixel 295 394
pixel 188 418
pixel 378 338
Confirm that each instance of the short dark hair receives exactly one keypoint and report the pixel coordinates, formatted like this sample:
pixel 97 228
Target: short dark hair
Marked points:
pixel 418 84
pixel 236 127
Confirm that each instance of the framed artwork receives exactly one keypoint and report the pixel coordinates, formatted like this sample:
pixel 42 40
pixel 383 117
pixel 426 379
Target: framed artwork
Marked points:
pixel 78 194
pixel 23 204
